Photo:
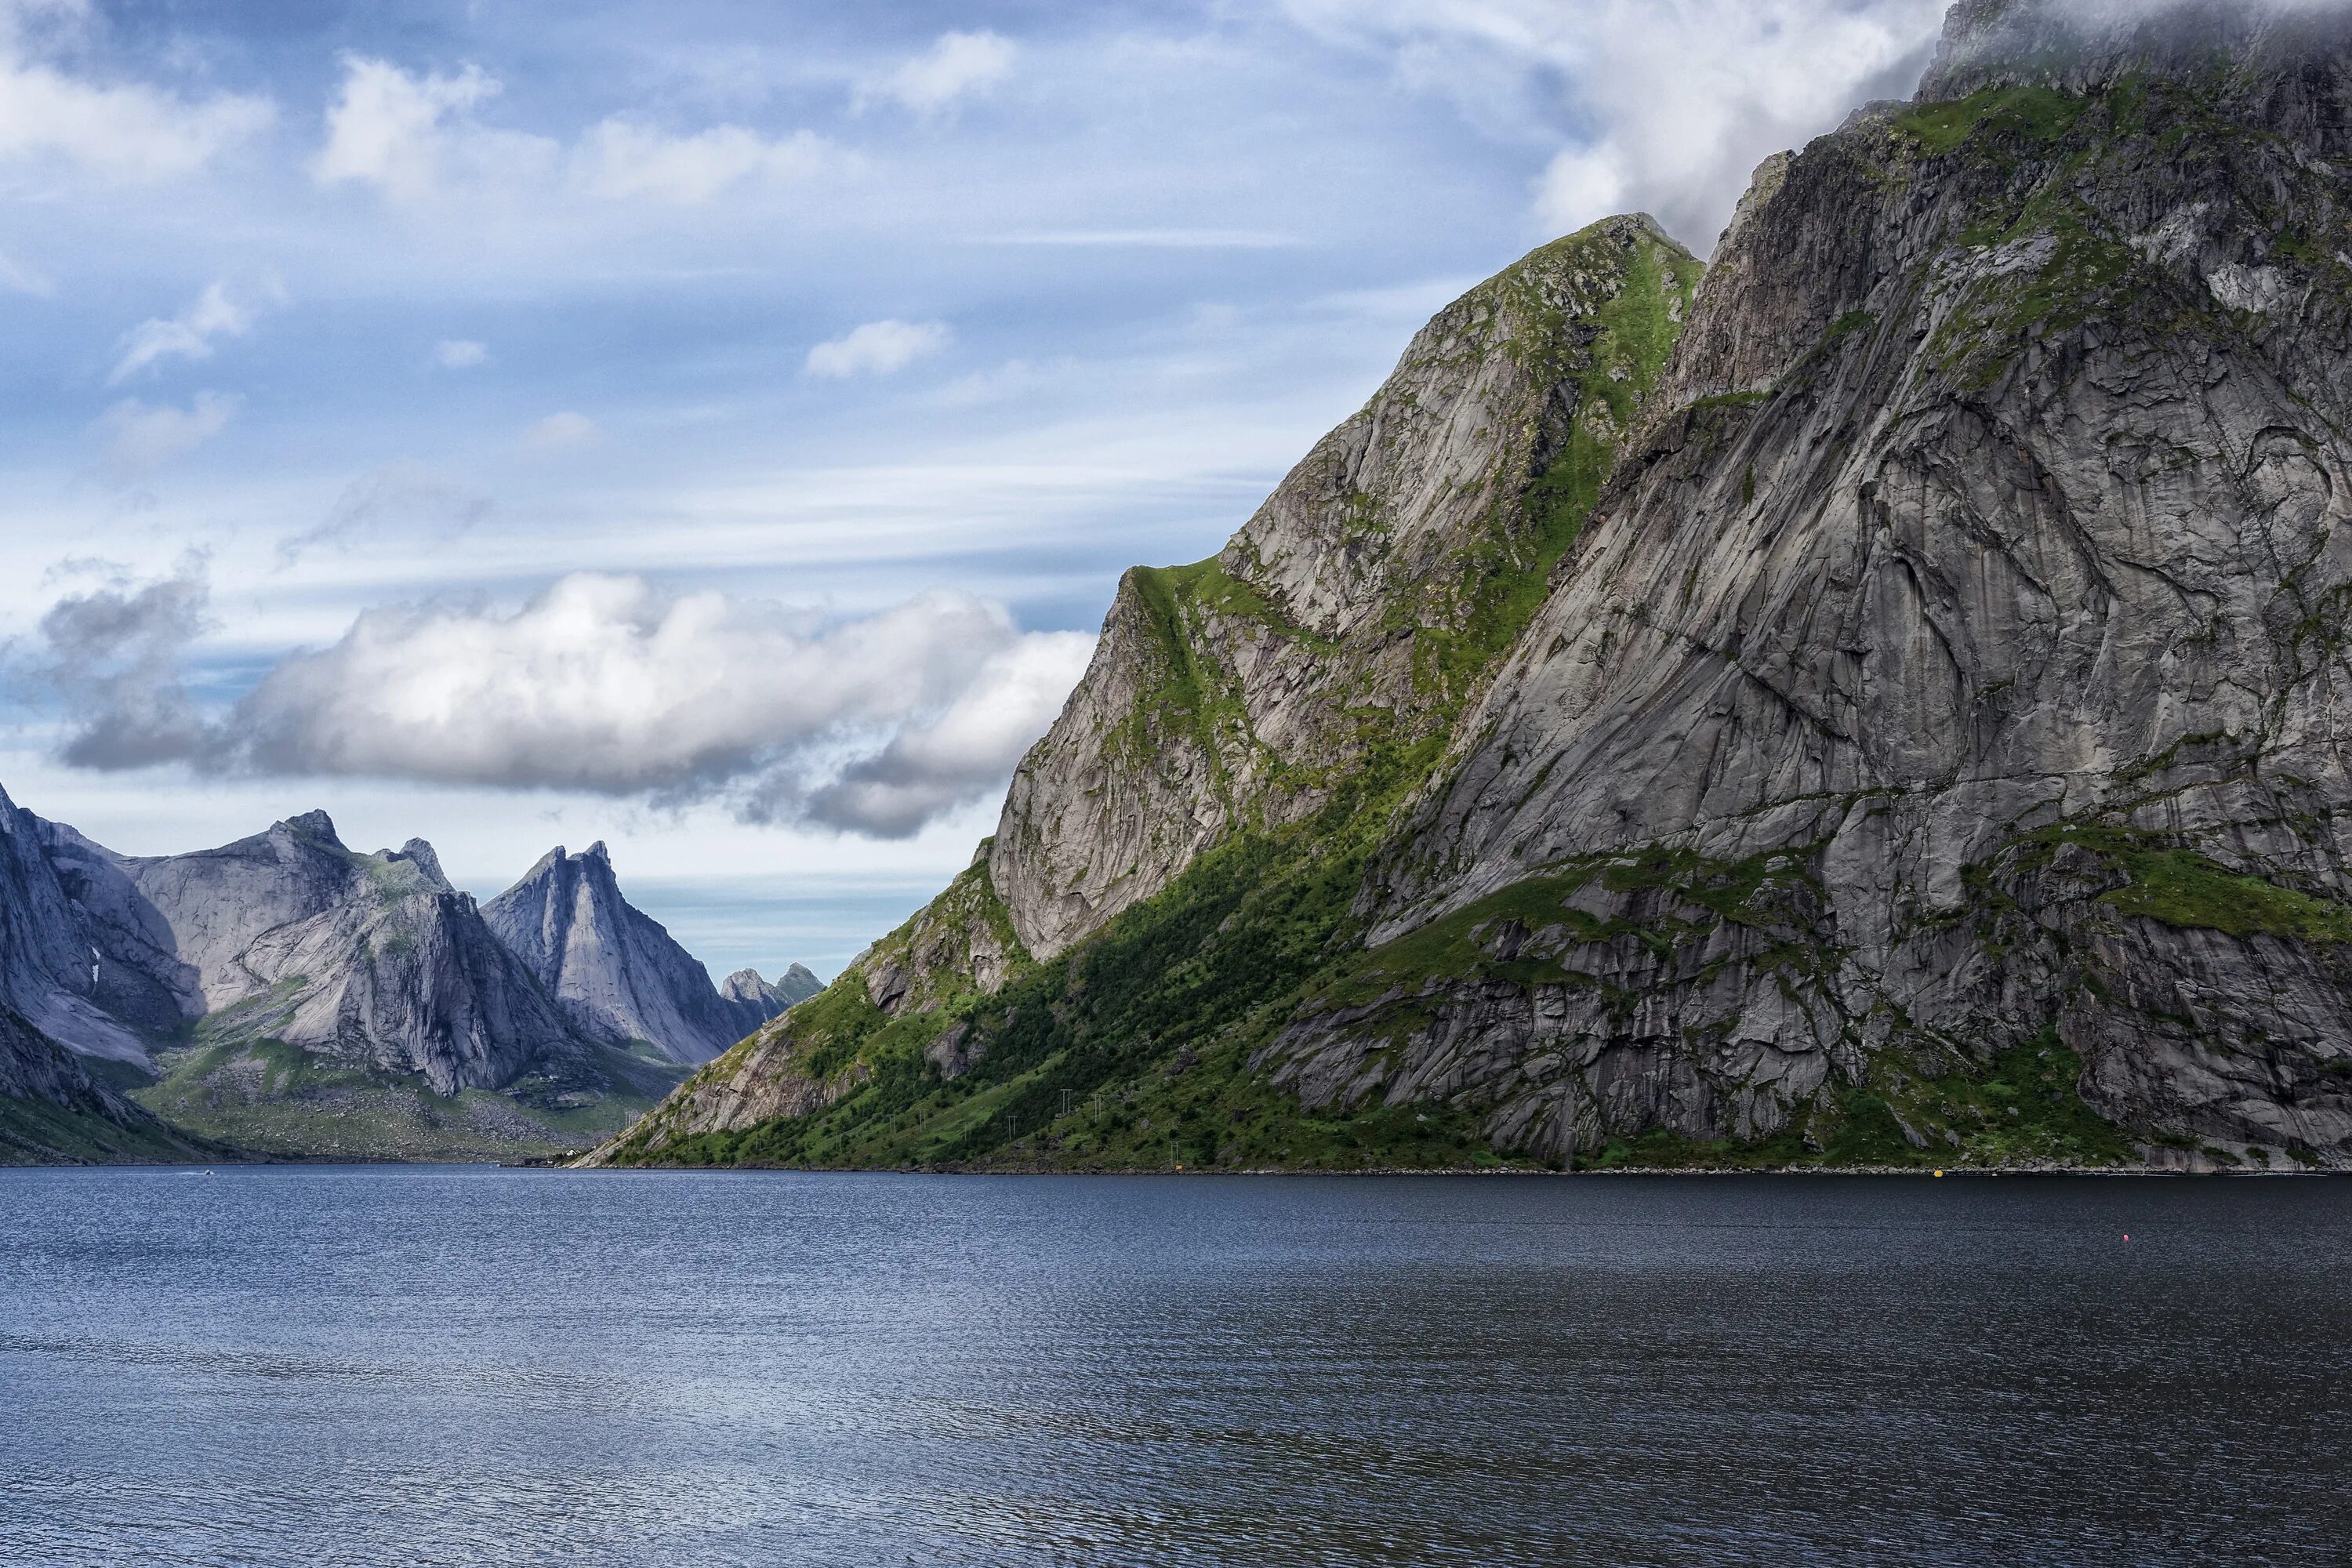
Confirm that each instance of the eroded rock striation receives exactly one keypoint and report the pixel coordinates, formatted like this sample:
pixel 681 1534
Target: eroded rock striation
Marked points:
pixel 303 999
pixel 616 972
pixel 1885 706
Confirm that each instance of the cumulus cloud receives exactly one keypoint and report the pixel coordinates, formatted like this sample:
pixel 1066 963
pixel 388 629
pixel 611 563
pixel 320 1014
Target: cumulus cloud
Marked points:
pixel 879 348
pixel 405 134
pixel 603 683
pixel 968 750
pixel 1658 105
pixel 141 437
pixel 460 353
pixel 216 313
pixel 120 130
pixel 562 432
pixel 113 655
pixel 956 67
pixel 417 137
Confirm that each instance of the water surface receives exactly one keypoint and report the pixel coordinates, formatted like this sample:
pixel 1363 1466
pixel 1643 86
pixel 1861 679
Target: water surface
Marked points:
pixel 436 1366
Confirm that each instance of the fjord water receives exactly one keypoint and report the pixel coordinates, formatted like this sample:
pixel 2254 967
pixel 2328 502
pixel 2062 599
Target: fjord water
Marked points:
pixel 415 1366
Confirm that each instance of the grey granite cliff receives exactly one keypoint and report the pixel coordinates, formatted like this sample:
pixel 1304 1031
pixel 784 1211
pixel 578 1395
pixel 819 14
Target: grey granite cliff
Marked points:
pixel 1920 739
pixel 365 959
pixel 617 973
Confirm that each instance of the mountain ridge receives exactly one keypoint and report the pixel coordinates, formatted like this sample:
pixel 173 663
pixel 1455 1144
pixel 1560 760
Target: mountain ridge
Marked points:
pixel 290 995
pixel 1922 748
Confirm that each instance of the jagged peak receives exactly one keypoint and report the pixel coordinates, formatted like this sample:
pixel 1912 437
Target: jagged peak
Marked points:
pixel 2080 45
pixel 544 867
pixel 313 825
pixel 422 854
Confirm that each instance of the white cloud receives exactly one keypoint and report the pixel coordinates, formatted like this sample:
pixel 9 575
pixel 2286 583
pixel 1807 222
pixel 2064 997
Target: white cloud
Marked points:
pixel 619 160
pixel 562 432
pixel 1581 184
pixel 142 437
pixel 460 353
pixel 407 134
pixel 955 67
pixel 1677 100
pixel 972 747
pixel 604 684
pixel 417 137
pixel 216 313
pixel 879 348
pixel 129 131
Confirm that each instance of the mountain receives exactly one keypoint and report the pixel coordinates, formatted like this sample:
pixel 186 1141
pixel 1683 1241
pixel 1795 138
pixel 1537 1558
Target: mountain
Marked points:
pixel 55 1110
pixel 55 978
pixel 752 1001
pixel 1876 704
pixel 617 973
pixel 291 996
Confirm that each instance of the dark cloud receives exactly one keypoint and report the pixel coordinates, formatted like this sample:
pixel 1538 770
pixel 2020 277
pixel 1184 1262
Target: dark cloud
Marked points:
pixel 113 658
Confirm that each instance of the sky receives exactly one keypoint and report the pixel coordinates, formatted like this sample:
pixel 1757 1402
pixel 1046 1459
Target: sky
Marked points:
pixel 717 429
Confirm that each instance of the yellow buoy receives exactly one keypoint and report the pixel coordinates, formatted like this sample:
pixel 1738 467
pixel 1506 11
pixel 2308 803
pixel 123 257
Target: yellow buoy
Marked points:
pixel 1939 1172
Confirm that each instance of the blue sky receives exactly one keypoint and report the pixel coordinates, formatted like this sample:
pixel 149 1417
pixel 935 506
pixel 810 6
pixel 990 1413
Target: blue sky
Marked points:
pixel 719 429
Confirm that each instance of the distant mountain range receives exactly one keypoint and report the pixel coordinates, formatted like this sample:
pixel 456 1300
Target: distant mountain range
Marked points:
pixel 288 995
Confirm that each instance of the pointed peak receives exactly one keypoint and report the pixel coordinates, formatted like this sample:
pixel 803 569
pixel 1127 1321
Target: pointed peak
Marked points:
pixel 422 854
pixel 313 825
pixel 597 851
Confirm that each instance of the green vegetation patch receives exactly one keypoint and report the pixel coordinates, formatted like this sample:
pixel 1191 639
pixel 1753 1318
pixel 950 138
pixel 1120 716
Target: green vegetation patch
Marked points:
pixel 2182 888
pixel 2027 114
pixel 35 1133
pixel 263 1095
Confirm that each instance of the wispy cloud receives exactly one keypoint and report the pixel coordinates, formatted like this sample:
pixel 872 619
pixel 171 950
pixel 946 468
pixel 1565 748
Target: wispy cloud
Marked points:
pixel 620 160
pixel 218 312
pixel 124 130
pixel 401 500
pixel 142 437
pixel 416 137
pixel 562 432
pixel 1152 238
pixel 460 353
pixel 956 67
pixel 879 348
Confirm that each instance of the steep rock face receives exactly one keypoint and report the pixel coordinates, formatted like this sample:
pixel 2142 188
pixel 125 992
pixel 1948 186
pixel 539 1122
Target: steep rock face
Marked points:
pixel 88 975
pixel 1322 656
pixel 1958 664
pixel 616 972
pixel 141 978
pixel 1362 603
pixel 53 1111
pixel 1927 746
pixel 367 959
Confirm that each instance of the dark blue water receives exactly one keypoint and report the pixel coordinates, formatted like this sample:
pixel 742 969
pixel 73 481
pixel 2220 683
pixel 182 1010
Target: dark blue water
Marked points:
pixel 435 1366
